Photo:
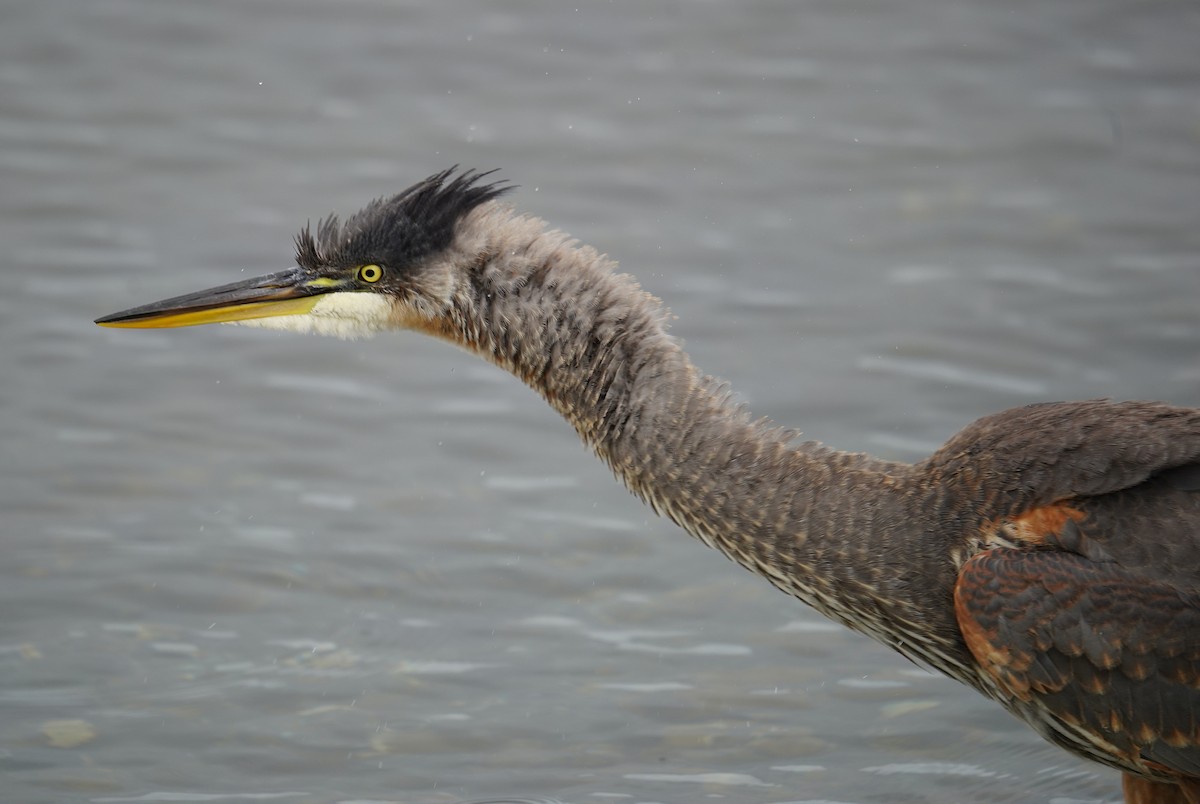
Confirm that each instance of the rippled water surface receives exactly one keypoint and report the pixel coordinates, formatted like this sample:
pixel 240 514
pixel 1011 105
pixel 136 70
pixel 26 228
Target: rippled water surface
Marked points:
pixel 241 565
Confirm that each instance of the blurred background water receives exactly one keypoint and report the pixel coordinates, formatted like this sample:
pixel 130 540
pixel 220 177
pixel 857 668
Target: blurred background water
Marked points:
pixel 241 565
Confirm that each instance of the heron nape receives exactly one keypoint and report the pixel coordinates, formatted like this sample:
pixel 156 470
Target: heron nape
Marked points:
pixel 1048 556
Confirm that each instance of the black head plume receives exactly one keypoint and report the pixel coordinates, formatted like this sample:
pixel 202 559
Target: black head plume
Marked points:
pixel 400 230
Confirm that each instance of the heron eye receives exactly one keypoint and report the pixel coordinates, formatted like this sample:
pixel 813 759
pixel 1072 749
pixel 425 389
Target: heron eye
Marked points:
pixel 370 273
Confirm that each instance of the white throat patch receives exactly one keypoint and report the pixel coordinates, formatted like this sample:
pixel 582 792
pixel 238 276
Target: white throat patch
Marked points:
pixel 344 315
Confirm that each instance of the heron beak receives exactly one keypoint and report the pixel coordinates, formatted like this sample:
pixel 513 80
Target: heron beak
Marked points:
pixel 290 292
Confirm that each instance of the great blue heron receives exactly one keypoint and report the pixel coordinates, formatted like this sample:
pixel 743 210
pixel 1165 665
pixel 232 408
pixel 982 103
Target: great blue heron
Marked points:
pixel 1048 556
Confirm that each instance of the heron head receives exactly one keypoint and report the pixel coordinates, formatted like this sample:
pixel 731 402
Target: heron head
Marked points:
pixel 384 267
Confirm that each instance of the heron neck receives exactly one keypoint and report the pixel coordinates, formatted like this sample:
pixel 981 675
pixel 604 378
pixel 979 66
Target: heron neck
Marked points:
pixel 823 525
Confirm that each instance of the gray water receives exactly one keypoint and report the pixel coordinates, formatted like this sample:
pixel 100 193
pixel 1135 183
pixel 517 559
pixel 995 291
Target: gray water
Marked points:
pixel 241 565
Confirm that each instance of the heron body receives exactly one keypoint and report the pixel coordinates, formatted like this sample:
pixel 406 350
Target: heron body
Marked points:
pixel 1048 556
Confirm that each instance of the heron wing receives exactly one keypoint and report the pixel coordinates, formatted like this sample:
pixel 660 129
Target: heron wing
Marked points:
pixel 1112 657
pixel 1017 460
